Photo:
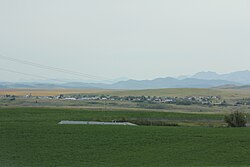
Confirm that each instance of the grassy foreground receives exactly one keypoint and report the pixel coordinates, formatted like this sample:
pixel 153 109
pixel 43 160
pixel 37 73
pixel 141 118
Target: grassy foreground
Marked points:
pixel 31 137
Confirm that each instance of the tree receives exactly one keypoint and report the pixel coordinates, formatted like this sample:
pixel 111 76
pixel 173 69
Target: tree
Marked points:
pixel 236 119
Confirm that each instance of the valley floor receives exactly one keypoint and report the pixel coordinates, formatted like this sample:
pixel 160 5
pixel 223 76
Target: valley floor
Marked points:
pixel 32 137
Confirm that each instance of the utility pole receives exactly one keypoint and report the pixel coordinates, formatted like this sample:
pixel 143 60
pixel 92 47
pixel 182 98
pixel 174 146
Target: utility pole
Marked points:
pixel 105 105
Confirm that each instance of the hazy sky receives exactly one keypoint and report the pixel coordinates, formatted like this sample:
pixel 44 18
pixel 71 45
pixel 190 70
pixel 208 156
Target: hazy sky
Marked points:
pixel 136 39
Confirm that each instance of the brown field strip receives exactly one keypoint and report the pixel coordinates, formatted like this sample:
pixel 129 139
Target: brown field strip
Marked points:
pixel 47 92
pixel 225 93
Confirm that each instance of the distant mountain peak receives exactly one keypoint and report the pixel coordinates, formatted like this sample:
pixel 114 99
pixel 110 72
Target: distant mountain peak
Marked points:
pixel 206 75
pixel 199 80
pixel 242 77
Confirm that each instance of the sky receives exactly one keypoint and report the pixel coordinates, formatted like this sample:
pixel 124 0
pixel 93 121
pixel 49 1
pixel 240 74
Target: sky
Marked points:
pixel 112 39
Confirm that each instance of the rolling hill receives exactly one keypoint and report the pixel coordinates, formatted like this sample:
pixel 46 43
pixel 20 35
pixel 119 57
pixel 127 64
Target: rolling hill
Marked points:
pixel 130 84
pixel 199 80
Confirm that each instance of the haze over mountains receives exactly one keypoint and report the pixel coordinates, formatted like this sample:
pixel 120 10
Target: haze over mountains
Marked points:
pixel 242 77
pixel 199 80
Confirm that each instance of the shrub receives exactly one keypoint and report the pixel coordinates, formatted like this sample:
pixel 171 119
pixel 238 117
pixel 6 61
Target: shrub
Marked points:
pixel 236 119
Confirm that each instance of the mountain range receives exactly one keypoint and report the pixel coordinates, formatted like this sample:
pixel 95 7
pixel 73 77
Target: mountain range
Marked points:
pixel 199 80
pixel 242 77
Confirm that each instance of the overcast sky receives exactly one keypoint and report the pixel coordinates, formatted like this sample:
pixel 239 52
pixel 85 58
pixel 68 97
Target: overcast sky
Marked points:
pixel 136 39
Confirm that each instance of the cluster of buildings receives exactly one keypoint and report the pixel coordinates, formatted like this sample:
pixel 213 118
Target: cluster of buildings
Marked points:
pixel 189 100
pixel 9 97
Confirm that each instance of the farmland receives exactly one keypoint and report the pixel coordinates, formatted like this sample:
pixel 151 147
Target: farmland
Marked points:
pixel 46 92
pixel 169 100
pixel 180 92
pixel 32 137
pixel 124 83
pixel 168 135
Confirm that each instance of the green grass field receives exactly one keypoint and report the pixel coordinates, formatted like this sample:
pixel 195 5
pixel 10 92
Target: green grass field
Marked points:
pixel 32 137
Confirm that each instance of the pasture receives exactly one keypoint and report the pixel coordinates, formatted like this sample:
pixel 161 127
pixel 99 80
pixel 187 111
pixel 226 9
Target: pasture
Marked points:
pixel 174 92
pixel 47 92
pixel 32 137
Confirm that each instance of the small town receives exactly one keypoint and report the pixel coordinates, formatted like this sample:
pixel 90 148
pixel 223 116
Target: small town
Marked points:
pixel 189 100
pixel 116 83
